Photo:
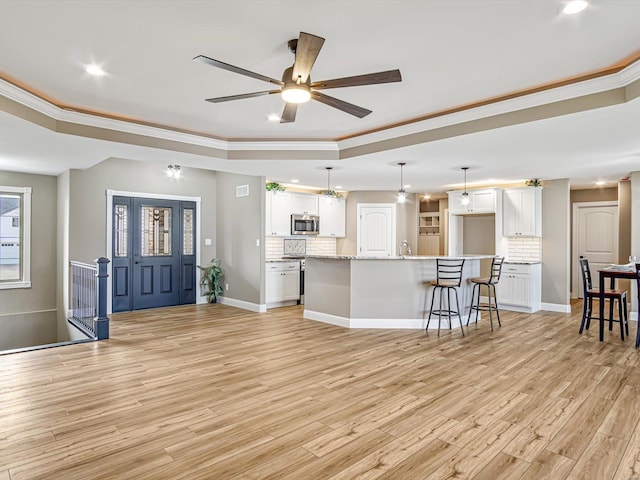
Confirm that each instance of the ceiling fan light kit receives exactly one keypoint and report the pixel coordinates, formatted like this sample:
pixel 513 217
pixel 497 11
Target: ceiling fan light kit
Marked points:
pixel 296 86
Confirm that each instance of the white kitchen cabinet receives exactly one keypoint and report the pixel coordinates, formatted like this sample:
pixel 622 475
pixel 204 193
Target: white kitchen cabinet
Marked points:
pixel 282 283
pixel 480 201
pixel 522 212
pixel 304 203
pixel 519 288
pixel 332 217
pixel 278 211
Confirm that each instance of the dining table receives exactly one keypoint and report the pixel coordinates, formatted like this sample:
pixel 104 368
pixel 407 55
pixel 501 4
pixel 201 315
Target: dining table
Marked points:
pixel 624 272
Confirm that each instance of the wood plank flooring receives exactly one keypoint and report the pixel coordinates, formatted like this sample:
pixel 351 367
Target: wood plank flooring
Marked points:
pixel 214 392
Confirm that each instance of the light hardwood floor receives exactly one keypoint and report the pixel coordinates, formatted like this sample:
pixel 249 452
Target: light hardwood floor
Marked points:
pixel 213 392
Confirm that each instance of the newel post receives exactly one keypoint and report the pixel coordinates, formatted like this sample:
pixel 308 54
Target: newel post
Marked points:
pixel 102 322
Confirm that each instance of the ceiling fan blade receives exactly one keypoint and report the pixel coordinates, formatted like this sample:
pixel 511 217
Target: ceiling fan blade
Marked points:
pixel 340 105
pixel 389 76
pixel 289 113
pixel 307 51
pixel 241 96
pixel 234 69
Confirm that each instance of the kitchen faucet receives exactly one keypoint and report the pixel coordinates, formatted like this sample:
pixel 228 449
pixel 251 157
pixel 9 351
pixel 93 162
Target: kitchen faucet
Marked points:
pixel 404 245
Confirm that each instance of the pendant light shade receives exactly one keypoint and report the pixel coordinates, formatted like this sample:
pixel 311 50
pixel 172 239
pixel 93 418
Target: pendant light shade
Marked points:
pixel 402 195
pixel 465 194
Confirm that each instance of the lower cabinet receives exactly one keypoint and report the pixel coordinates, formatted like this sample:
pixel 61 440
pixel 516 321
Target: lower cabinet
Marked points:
pixel 519 288
pixel 282 283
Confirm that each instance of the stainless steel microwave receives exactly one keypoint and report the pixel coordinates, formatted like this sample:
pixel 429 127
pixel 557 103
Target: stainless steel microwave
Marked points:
pixel 305 224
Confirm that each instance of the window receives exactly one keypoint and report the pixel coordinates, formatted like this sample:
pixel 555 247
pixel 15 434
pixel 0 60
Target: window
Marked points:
pixel 15 237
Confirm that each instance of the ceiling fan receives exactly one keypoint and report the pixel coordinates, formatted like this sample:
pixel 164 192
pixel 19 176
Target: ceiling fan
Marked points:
pixel 296 86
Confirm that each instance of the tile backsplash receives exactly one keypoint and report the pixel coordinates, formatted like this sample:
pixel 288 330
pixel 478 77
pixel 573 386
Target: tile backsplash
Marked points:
pixel 524 249
pixel 276 247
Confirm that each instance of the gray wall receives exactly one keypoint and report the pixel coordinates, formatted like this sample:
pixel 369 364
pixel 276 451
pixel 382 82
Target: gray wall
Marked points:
pixel 23 310
pixel 63 283
pixel 635 225
pixel 87 209
pixel 240 223
pixel 406 219
pixel 624 221
pixel 556 244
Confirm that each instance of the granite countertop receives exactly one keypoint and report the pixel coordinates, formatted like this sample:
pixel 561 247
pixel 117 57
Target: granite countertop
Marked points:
pixel 403 257
pixel 274 260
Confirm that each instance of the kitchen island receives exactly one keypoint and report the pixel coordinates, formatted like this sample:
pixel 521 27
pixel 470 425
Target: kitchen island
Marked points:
pixel 375 292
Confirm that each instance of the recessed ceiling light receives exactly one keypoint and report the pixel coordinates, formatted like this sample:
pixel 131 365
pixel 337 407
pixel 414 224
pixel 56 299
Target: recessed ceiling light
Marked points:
pixel 337 187
pixel 406 186
pixel 575 6
pixel 426 196
pixel 600 182
pixel 294 180
pixel 273 117
pixel 95 70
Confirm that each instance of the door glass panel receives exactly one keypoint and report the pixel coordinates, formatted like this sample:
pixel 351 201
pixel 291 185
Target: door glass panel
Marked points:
pixel 187 231
pixel 156 231
pixel 120 231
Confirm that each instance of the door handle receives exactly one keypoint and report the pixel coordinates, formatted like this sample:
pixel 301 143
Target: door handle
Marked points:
pixel 137 262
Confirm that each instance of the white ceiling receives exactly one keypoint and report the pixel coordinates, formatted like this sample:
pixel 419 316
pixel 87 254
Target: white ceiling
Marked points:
pixel 450 53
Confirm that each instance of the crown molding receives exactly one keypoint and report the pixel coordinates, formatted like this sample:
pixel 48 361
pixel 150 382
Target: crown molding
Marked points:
pixel 283 145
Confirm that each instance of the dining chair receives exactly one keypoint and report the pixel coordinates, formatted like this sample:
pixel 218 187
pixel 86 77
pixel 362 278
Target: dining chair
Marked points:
pixel 589 293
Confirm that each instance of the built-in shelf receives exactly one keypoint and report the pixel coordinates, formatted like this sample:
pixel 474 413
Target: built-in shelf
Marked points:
pixel 429 223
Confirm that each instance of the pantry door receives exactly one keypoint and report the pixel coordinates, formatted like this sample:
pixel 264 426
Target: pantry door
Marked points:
pixel 376 236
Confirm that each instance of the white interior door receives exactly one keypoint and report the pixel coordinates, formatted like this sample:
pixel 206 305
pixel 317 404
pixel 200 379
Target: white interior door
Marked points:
pixel 595 238
pixel 376 234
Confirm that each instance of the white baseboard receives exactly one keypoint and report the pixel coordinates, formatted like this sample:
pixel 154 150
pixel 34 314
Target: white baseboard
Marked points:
pixel 252 307
pixel 556 307
pixel 326 318
pixel 386 323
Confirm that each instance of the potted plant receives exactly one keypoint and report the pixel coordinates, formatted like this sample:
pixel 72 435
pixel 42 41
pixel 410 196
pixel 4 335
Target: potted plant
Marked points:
pixel 275 187
pixel 534 182
pixel 211 279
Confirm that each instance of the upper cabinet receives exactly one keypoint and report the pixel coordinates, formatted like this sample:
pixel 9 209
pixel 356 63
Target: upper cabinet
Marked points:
pixel 522 212
pixel 278 208
pixel 281 205
pixel 304 203
pixel 332 217
pixel 480 201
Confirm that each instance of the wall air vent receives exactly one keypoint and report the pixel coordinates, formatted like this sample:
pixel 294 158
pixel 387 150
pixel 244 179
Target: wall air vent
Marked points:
pixel 242 191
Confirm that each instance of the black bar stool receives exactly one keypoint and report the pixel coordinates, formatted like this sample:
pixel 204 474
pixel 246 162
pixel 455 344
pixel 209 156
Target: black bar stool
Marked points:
pixel 589 293
pixel 449 277
pixel 490 282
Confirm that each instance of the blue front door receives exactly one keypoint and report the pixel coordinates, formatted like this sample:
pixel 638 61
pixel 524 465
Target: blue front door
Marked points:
pixel 153 253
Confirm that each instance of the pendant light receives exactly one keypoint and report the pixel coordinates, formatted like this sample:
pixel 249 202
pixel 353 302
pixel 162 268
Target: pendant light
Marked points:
pixel 402 195
pixel 329 195
pixel 465 194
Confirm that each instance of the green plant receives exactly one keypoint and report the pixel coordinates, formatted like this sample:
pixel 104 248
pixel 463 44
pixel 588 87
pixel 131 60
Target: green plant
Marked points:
pixel 534 182
pixel 331 193
pixel 211 279
pixel 275 187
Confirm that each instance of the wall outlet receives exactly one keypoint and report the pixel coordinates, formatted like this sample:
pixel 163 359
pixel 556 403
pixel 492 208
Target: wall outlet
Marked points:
pixel 207 241
pixel 226 286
